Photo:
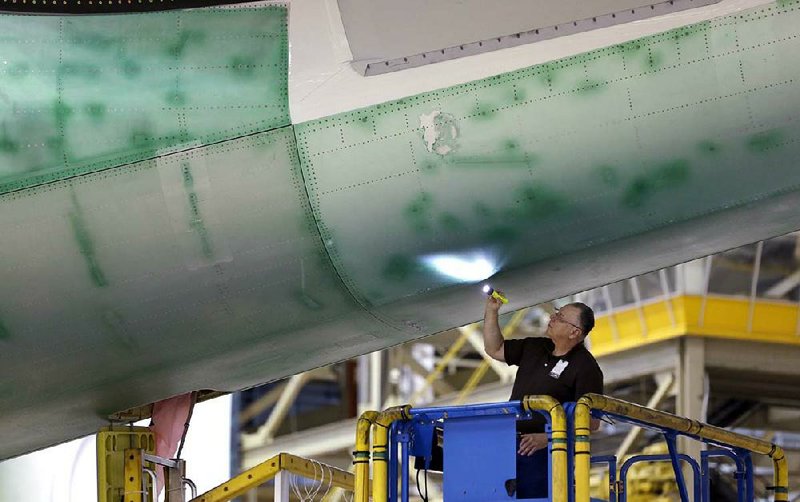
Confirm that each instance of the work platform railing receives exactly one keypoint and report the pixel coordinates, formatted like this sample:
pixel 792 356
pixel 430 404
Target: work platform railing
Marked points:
pixel 751 293
pixel 479 445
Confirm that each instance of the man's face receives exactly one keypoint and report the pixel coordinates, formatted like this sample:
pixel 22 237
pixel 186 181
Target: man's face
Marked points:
pixel 564 324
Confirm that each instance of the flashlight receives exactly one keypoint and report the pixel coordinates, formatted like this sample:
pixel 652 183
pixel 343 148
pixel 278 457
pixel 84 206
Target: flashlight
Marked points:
pixel 494 294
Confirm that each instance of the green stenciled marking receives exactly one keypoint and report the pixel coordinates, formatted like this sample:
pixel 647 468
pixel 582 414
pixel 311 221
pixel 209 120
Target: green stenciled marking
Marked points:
pixel 607 174
pixel 709 147
pixel 668 175
pixel 536 201
pixel 97 111
pixel 766 140
pixel 7 145
pixel 418 212
pixel 85 243
pixel 5 334
pixel 590 86
pixel 400 268
pixel 195 218
pixel 511 159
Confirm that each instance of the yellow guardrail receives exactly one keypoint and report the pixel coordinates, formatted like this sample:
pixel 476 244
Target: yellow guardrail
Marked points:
pixel 665 420
pixel 267 470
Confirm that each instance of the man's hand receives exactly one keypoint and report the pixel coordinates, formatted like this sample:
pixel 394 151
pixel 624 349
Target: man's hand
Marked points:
pixel 493 304
pixel 531 443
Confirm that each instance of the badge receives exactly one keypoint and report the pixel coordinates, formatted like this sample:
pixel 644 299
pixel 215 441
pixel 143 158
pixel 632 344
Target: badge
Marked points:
pixel 559 368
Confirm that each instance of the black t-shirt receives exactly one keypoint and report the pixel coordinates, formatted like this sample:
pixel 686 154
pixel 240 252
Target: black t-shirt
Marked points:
pixel 566 378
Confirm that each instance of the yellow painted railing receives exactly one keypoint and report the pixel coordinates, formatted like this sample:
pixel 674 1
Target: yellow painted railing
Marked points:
pixel 666 420
pixel 711 316
pixel 267 470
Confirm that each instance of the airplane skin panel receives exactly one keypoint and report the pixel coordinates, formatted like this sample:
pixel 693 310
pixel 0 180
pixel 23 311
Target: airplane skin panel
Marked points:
pixel 268 253
pixel 530 165
pixel 201 269
pixel 85 93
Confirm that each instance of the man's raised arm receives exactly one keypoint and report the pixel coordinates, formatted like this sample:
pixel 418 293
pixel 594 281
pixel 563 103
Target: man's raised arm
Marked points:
pixel 492 336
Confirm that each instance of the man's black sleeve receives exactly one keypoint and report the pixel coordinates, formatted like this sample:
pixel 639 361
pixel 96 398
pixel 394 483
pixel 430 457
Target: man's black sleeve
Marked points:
pixel 513 350
pixel 589 381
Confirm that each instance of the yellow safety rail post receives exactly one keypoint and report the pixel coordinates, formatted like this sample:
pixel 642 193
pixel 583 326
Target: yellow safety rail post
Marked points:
pixel 267 470
pixel 380 468
pixel 583 450
pixel 684 426
pixel 558 436
pixel 361 455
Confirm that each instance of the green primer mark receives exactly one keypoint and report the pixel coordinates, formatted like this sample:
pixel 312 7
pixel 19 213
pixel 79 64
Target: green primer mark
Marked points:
pixel 19 70
pixel 78 69
pixel 537 201
pixel 418 212
pixel 665 176
pixel 709 147
pixel 176 98
pixel 429 167
pixel 630 48
pixel 97 111
pixel 61 113
pixel 501 234
pixel 607 174
pixel 7 145
pixel 117 326
pixel 243 66
pixel 177 49
pixel 195 217
pixel 483 111
pixel 92 40
pixel 399 268
pixel 5 334
pixel 589 86
pixel 547 76
pixel 483 210
pixel 130 68
pixel 85 243
pixel 764 141
pixel 451 222
pixel 654 60
pixel 305 299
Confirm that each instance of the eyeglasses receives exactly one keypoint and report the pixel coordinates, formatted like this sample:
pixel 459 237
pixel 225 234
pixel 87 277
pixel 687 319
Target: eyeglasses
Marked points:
pixel 558 316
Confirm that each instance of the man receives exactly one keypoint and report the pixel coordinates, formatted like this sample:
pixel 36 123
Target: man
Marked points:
pixel 559 366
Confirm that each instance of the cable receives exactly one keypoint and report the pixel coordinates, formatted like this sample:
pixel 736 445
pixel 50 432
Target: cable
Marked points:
pixel 423 497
